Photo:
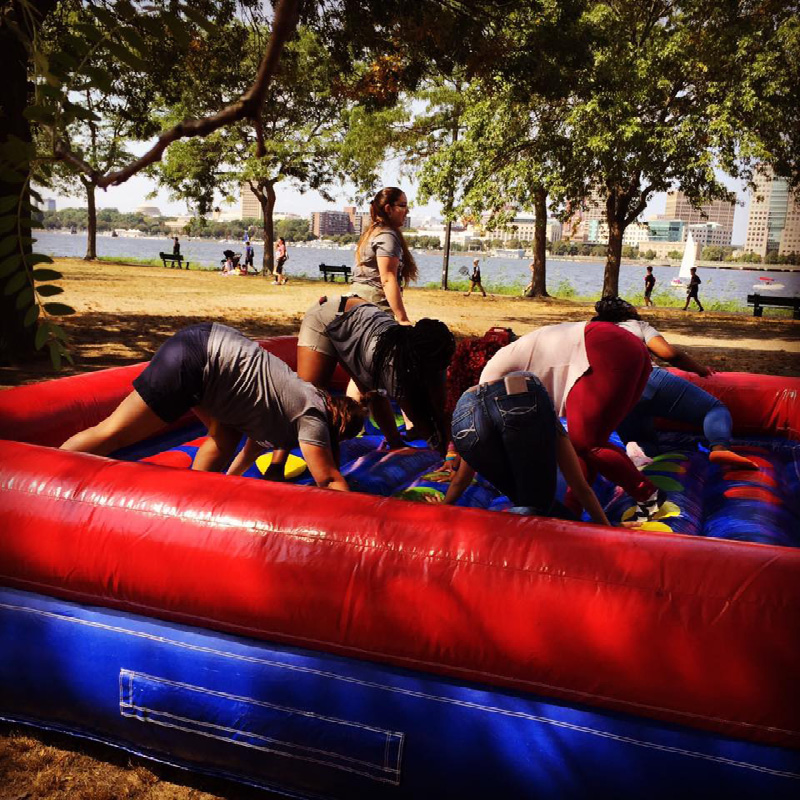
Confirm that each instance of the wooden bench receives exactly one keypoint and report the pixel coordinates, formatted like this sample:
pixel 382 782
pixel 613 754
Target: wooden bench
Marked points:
pixel 760 302
pixel 333 271
pixel 173 260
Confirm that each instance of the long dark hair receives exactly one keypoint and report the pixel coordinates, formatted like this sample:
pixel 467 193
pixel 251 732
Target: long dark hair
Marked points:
pixel 379 219
pixel 614 309
pixel 346 418
pixel 418 355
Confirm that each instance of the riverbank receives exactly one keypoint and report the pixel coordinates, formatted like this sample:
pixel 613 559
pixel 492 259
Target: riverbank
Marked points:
pixel 123 314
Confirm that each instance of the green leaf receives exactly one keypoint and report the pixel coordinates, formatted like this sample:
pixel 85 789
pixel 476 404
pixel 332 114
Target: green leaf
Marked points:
pixel 8 203
pixel 178 29
pixel 58 309
pixel 126 56
pixel 42 334
pixel 7 223
pixel 15 283
pixel 36 196
pixel 39 258
pixel 200 19
pixel 91 32
pixel 79 112
pixel 7 245
pixel 48 290
pixel 31 316
pixel 47 275
pixel 99 78
pixel 55 354
pixel 132 37
pixel 58 332
pixel 9 265
pixel 24 298
pixel 38 113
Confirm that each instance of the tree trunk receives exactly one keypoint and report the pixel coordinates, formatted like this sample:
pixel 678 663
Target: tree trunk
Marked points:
pixel 539 278
pixel 616 228
pixel 266 196
pixel 91 225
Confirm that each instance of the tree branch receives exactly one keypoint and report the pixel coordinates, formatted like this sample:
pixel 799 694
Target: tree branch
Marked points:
pixel 247 107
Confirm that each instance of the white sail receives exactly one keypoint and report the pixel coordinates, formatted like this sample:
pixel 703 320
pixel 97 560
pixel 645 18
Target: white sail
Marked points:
pixel 689 258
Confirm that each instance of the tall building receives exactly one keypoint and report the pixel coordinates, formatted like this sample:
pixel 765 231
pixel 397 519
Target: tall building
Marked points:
pixel 719 211
pixel 330 223
pixel 248 203
pixel 359 220
pixel 579 227
pixel 774 223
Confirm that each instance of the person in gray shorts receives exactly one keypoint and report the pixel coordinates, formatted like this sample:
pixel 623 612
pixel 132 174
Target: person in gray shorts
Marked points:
pixel 236 388
pixel 383 357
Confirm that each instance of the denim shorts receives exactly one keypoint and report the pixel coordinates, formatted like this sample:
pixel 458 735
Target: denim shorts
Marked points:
pixel 172 382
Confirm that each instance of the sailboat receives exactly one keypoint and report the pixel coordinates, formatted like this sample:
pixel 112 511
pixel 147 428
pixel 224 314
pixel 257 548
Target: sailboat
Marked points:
pixel 689 260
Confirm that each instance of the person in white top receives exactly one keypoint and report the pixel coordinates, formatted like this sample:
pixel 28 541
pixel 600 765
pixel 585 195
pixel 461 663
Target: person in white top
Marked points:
pixel 594 373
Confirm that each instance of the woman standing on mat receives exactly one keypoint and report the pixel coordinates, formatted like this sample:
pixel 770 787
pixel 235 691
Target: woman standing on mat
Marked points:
pixel 594 374
pixel 508 431
pixel 384 264
pixel 671 396
pixel 235 387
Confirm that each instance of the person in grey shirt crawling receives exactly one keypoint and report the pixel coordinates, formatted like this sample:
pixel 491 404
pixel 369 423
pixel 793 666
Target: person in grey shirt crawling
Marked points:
pixel 235 387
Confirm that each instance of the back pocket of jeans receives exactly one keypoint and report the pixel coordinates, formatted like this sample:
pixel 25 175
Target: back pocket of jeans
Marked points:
pixel 517 411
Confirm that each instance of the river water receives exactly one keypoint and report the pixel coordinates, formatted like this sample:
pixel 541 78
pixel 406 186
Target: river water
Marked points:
pixel 585 276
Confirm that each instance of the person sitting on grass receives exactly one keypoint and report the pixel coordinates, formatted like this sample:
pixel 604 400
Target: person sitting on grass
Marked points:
pixel 236 388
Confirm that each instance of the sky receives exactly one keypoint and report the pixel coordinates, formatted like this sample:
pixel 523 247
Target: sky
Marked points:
pixel 135 191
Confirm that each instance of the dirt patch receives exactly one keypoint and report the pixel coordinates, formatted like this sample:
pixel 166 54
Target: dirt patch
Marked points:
pixel 124 313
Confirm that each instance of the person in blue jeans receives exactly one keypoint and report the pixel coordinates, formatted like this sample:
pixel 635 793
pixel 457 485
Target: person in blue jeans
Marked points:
pixel 670 396
pixel 508 431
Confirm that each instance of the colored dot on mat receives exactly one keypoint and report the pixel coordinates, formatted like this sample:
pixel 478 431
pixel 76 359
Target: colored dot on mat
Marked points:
pixel 419 494
pixel 655 526
pixel 751 476
pixel 294 467
pixel 752 493
pixel 178 459
pixel 664 466
pixel 666 483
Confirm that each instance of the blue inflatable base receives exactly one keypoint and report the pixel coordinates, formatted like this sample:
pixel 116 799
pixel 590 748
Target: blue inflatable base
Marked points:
pixel 313 725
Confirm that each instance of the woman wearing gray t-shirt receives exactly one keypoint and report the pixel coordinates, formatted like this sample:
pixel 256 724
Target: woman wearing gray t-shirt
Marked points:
pixel 236 388
pixel 384 264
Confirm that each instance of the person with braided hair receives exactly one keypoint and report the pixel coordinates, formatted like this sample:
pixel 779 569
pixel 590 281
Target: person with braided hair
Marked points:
pixel 384 358
pixel 384 264
pixel 235 387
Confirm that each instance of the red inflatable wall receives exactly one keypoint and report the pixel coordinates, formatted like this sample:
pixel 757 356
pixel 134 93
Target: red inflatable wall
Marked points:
pixel 694 631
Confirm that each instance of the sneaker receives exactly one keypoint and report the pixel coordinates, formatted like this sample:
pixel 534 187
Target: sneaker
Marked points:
pixel 647 509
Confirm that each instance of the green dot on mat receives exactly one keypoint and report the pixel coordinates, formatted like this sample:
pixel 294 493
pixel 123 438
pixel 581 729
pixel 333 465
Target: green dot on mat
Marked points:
pixel 418 494
pixel 664 466
pixel 671 457
pixel 666 483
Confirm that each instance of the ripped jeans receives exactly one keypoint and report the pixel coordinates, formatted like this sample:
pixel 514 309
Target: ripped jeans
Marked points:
pixel 510 439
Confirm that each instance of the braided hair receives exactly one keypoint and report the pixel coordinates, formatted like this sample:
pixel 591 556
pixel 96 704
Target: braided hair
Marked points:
pixel 614 309
pixel 417 355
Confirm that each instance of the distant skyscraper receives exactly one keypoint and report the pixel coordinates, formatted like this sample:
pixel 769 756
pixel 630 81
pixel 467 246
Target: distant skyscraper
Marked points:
pixel 49 204
pixel 718 211
pixel 330 223
pixel 248 203
pixel 774 223
pixel 579 227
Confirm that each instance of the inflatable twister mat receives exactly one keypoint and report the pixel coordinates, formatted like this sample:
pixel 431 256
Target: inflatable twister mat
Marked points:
pixel 703 499
pixel 375 644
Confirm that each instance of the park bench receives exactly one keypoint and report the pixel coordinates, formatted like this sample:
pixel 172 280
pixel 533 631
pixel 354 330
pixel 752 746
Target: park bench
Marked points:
pixel 173 260
pixel 333 271
pixel 760 302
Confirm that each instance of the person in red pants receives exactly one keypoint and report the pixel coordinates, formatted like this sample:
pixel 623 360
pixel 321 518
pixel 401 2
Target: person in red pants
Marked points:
pixel 594 373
